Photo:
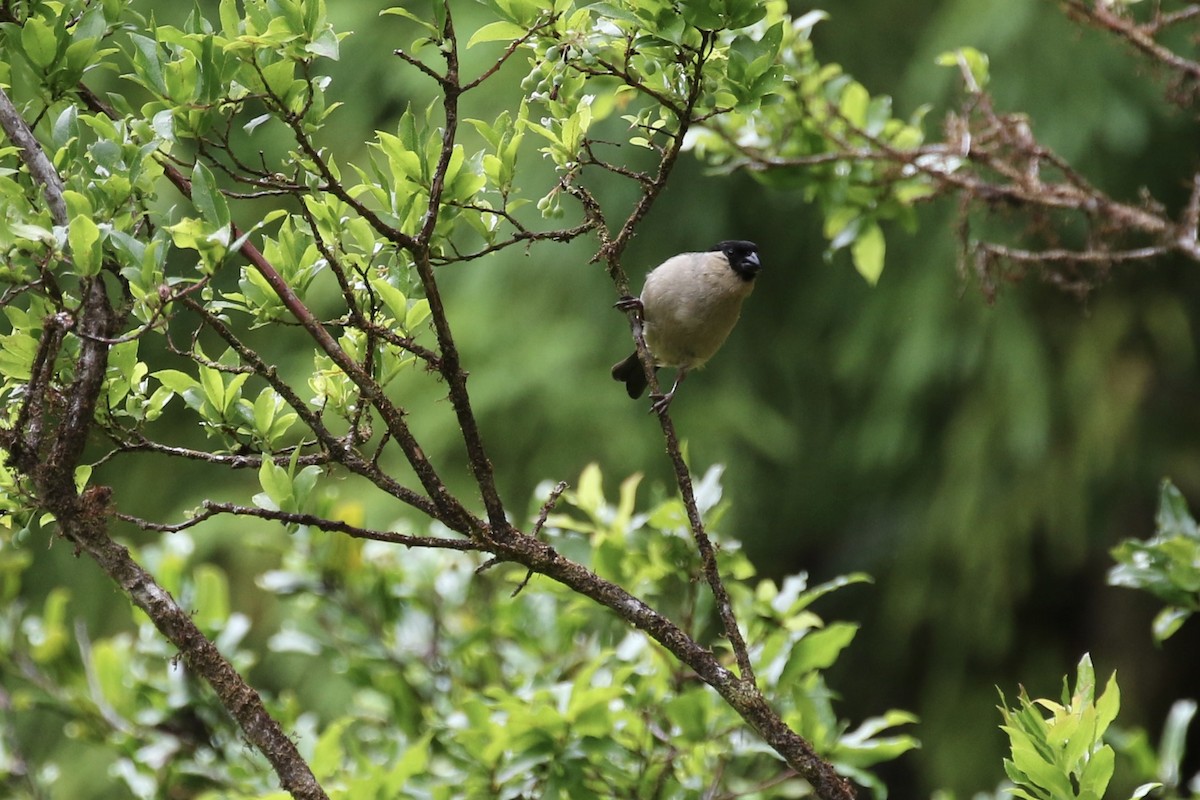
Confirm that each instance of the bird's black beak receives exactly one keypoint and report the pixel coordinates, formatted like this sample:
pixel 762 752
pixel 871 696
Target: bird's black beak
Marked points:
pixel 751 264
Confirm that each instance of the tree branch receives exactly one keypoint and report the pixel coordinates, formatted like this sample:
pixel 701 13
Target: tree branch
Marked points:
pixel 1141 37
pixel 82 519
pixel 611 252
pixel 451 363
pixel 36 162
pixel 212 509
pixel 741 694
pixel 85 525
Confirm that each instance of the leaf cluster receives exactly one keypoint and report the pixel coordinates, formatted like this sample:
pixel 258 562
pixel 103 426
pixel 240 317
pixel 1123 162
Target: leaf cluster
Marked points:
pixel 1063 755
pixel 434 668
pixel 1167 565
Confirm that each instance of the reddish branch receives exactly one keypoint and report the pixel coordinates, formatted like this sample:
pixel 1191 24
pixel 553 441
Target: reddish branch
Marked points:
pixel 991 162
pixel 1141 36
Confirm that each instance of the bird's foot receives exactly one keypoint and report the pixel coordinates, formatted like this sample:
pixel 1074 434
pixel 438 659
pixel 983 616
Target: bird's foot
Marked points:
pixel 629 303
pixel 660 402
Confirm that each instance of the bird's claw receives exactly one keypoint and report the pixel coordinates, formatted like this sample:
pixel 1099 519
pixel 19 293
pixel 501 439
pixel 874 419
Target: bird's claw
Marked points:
pixel 660 402
pixel 629 303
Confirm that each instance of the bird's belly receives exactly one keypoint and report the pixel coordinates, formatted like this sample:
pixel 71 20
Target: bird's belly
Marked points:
pixel 688 336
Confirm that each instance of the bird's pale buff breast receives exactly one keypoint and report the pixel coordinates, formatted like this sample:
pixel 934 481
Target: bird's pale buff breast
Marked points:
pixel 690 304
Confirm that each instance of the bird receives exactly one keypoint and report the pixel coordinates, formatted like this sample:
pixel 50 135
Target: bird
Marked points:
pixel 688 306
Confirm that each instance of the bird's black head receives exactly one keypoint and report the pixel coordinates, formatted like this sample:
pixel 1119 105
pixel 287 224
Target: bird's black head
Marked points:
pixel 743 257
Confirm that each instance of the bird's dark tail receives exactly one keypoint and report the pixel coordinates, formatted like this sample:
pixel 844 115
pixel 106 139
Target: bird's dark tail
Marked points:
pixel 630 373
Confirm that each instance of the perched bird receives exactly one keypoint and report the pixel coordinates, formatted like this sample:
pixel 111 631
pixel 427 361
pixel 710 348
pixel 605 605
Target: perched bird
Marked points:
pixel 689 304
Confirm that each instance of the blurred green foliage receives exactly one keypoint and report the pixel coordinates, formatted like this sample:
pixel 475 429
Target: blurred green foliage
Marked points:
pixel 407 673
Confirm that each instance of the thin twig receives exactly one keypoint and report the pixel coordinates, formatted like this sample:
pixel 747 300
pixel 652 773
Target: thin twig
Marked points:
pixel 509 50
pixel 340 450
pixel 540 523
pixel 212 509
pixel 1142 38
pixel 451 365
pixel 1056 254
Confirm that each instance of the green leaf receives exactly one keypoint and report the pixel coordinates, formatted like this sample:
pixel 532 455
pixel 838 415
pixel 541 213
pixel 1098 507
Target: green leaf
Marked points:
pixel 1021 793
pixel 969 59
pixel 689 712
pixel 233 393
pixel 589 496
pixel 625 503
pixel 393 299
pixel 1085 680
pixel 110 668
pixel 211 596
pixel 863 746
pixel 842 225
pixel 854 103
pixel 277 487
pixel 1039 772
pixel 207 197
pixel 703 14
pixel 288 12
pixel 1097 772
pixel 325 45
pixel 868 253
pixel 497 32
pixel 17 353
pixel 272 418
pixel 264 410
pixel 178 382
pixel 405 162
pixel 303 482
pixel 78 203
pixel 413 762
pixel 1107 706
pixel 231 20
pixel 1173 517
pixel 1174 740
pixel 39 42
pixel 147 62
pixel 400 11
pixel 211 242
pixel 1165 564
pixel 214 388
pixel 418 312
pixel 32 233
pixel 84 236
pixel 49 637
pixel 818 649
pixel 669 515
pixel 278 77
pixel 327 756
pixel 181 77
